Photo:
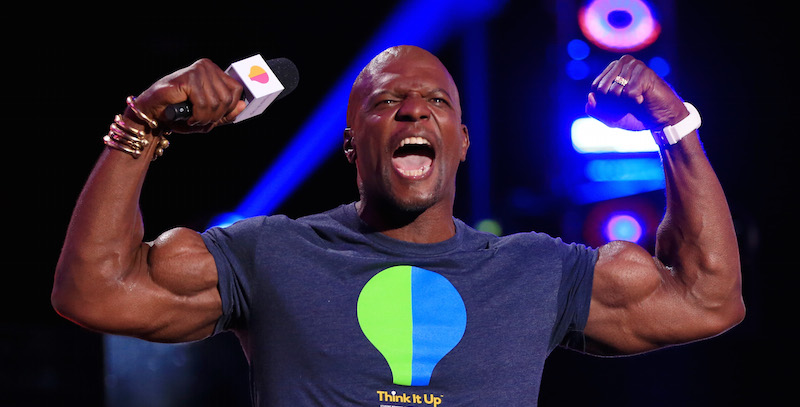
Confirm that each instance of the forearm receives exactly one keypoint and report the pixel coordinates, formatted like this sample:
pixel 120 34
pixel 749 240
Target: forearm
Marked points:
pixel 692 288
pixel 107 278
pixel 696 240
pixel 104 238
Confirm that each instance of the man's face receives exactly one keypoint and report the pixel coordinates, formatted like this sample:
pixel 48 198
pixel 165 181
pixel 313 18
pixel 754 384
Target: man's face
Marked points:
pixel 405 122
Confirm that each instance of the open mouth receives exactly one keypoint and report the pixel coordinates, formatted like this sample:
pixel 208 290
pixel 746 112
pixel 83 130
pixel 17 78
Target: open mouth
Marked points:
pixel 414 157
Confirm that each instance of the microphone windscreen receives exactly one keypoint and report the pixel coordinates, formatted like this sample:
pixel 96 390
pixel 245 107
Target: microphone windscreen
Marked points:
pixel 286 72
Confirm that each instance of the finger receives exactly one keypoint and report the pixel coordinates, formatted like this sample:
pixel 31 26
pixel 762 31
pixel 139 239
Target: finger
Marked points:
pixel 591 104
pixel 237 108
pixel 636 85
pixel 212 97
pixel 227 92
pixel 599 80
pixel 612 81
pixel 234 91
pixel 623 77
pixel 220 98
pixel 591 101
pixel 202 94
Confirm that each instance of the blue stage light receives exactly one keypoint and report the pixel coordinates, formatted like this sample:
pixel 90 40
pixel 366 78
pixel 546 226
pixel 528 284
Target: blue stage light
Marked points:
pixel 578 49
pixel 577 69
pixel 623 226
pixel 624 169
pixel 590 192
pixel 660 66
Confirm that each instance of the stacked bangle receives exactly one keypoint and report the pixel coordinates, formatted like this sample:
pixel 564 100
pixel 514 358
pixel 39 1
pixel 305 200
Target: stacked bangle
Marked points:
pixel 130 140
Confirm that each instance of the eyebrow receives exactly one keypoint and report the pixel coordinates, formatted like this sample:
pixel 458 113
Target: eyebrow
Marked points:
pixel 380 93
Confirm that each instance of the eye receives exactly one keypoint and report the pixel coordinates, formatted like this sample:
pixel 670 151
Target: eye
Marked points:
pixel 439 101
pixel 386 102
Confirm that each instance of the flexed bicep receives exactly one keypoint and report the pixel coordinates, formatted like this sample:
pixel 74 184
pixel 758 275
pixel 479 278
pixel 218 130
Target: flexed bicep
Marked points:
pixel 640 304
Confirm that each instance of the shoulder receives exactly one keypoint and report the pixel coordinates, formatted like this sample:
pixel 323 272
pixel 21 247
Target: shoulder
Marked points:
pixel 544 245
pixel 255 229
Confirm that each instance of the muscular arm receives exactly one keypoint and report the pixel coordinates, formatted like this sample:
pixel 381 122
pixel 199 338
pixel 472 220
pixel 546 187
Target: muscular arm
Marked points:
pixel 691 288
pixel 107 279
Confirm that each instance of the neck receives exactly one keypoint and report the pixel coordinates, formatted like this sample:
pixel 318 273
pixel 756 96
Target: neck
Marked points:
pixel 432 225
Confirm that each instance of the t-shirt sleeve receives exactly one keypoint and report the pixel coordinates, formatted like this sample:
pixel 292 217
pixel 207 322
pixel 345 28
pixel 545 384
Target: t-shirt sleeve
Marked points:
pixel 574 296
pixel 233 251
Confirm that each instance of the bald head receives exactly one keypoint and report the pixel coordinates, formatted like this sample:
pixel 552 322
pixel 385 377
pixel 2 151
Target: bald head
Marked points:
pixel 397 60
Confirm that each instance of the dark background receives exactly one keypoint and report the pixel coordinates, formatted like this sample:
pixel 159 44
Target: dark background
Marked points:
pixel 67 71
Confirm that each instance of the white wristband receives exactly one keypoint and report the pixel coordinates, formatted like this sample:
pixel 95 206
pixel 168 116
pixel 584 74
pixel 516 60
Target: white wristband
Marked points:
pixel 670 135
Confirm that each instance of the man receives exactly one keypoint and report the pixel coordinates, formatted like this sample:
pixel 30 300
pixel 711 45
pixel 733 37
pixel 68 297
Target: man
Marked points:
pixel 391 300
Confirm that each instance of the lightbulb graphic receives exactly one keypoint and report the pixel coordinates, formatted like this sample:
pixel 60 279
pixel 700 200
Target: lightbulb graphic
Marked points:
pixel 414 317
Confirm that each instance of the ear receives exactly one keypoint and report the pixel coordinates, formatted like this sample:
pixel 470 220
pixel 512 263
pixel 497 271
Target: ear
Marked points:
pixel 464 143
pixel 349 147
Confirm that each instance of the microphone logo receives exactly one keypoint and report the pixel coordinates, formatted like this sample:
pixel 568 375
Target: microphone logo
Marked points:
pixel 258 74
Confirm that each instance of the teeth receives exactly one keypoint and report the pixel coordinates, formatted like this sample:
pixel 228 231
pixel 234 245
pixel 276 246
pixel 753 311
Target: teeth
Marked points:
pixel 415 173
pixel 414 140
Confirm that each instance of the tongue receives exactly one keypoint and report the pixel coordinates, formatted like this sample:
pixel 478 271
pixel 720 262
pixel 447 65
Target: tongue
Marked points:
pixel 411 162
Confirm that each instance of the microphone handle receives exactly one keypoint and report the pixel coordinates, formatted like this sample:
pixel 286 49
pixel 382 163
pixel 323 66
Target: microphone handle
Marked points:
pixel 178 112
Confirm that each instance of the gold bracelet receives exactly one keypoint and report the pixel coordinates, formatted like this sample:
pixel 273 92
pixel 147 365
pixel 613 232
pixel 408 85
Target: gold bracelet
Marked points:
pixel 150 122
pixel 130 130
pixel 120 136
pixel 122 133
pixel 162 145
pixel 130 140
pixel 118 141
pixel 109 141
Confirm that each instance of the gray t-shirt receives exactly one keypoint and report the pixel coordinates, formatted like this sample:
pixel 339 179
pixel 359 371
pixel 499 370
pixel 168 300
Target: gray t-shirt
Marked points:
pixel 332 313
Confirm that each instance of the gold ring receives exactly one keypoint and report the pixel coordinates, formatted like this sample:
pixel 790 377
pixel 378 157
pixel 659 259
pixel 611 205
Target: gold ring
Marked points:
pixel 621 81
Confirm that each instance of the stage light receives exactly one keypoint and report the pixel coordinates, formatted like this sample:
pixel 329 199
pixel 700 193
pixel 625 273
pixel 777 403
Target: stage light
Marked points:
pixel 578 49
pixel 619 25
pixel 490 226
pixel 226 219
pixel 589 135
pixel 624 169
pixel 623 226
pixel 577 69
pixel 660 66
pixel 633 218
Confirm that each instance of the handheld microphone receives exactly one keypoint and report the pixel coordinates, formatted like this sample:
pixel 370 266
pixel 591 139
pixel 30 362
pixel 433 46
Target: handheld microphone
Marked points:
pixel 263 81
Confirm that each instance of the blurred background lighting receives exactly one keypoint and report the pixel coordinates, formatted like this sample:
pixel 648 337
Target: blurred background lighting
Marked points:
pixel 623 226
pixel 660 66
pixel 624 169
pixel 578 49
pixel 589 135
pixel 491 226
pixel 577 69
pixel 619 25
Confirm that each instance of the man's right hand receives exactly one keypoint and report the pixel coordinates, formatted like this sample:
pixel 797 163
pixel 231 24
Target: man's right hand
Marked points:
pixel 215 97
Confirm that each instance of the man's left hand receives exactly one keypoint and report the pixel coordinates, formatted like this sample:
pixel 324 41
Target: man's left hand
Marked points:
pixel 630 96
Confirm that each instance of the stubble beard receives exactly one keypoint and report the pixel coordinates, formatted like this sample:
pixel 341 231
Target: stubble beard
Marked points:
pixel 411 205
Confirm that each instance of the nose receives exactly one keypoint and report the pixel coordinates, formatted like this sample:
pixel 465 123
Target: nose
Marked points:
pixel 412 108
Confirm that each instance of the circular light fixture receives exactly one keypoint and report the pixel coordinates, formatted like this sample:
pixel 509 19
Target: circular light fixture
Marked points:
pixel 619 25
